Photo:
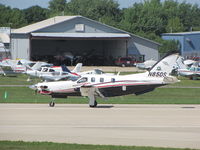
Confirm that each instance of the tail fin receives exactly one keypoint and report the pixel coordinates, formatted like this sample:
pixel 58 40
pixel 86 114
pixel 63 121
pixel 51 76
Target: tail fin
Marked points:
pixel 180 64
pixel 164 67
pixel 36 66
pixel 65 69
pixel 77 68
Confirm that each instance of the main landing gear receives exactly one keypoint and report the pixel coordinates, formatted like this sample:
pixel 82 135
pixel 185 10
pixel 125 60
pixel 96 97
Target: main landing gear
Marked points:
pixel 94 105
pixel 52 103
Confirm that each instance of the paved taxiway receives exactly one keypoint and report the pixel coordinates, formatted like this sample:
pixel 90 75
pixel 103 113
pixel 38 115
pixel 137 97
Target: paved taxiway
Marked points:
pixel 142 125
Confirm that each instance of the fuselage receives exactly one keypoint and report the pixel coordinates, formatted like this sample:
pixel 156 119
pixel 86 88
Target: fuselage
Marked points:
pixel 115 85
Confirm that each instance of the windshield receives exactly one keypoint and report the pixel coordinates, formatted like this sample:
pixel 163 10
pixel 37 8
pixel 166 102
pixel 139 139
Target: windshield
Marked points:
pixel 70 79
pixel 97 71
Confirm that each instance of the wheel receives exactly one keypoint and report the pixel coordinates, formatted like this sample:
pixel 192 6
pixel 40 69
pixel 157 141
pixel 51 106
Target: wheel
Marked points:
pixel 52 104
pixel 123 65
pixel 95 104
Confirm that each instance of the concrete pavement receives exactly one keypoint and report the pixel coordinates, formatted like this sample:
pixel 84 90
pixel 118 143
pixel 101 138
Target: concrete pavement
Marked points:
pixel 140 125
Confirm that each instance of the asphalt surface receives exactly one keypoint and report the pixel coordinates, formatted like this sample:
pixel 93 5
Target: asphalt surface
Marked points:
pixel 140 125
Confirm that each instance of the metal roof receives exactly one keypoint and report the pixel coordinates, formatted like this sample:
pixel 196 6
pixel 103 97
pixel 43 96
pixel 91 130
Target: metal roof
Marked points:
pixel 43 24
pixel 59 19
pixel 4 38
pixel 181 33
pixel 81 35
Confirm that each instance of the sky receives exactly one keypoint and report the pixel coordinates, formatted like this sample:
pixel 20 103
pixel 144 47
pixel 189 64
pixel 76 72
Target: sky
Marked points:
pixel 22 4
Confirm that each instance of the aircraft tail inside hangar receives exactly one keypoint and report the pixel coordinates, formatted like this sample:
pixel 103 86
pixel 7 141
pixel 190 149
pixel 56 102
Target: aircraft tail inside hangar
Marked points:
pixel 88 41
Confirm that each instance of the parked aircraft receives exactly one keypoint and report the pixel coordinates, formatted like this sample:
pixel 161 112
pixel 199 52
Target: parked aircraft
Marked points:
pixel 12 67
pixel 191 72
pixel 54 73
pixel 146 65
pixel 189 62
pixel 102 85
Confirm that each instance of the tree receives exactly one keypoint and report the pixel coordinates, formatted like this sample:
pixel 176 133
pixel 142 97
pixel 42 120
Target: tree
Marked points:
pixel 174 25
pixel 35 13
pixel 94 9
pixel 11 17
pixel 169 45
pixel 56 6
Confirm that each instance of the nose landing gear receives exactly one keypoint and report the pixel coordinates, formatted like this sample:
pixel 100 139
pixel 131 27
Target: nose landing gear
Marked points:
pixel 52 103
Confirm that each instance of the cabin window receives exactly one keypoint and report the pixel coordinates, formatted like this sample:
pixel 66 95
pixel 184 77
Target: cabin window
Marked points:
pixel 112 79
pixel 101 79
pixel 51 70
pixel 64 73
pixel 192 69
pixel 45 69
pixel 82 80
pixel 93 79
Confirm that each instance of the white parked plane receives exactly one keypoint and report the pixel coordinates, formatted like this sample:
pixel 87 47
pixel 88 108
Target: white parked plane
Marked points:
pixel 103 85
pixel 10 67
pixel 55 73
pixel 146 65
pixel 191 72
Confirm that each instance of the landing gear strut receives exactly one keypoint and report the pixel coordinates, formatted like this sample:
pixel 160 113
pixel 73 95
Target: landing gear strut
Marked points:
pixel 94 105
pixel 52 103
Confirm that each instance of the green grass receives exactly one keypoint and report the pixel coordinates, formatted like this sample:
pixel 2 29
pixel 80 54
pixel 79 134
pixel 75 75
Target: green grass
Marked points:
pixel 158 96
pixel 20 79
pixel 19 145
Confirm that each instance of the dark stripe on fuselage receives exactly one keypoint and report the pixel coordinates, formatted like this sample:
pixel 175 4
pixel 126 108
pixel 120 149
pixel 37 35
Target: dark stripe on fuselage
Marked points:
pixel 132 89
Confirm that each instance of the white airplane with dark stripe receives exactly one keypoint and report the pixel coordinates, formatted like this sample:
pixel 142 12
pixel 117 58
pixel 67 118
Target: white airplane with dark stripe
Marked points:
pixel 103 85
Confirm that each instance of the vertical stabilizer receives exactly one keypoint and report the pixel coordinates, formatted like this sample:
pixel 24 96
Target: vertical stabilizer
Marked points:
pixel 77 68
pixel 180 63
pixel 65 69
pixel 164 67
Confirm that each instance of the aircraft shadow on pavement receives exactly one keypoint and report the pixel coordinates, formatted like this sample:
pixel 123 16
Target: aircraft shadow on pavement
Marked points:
pixel 105 106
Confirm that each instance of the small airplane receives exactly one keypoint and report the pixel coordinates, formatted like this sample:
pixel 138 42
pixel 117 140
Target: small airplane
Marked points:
pixel 192 72
pixel 189 62
pixel 102 85
pixel 13 67
pixel 146 65
pixel 54 73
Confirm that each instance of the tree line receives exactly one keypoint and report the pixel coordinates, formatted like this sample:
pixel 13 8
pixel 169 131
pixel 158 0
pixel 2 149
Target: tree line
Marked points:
pixel 148 19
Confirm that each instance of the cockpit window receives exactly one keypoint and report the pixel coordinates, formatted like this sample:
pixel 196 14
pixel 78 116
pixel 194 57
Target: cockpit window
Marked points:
pixel 82 80
pixel 97 71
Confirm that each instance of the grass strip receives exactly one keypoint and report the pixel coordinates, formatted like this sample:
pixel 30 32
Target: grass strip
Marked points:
pixel 20 145
pixel 158 96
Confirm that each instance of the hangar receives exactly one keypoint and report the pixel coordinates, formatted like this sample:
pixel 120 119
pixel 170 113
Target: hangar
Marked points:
pixel 79 37
pixel 188 43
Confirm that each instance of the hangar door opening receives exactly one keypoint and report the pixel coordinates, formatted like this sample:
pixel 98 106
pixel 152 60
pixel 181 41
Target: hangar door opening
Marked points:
pixel 69 52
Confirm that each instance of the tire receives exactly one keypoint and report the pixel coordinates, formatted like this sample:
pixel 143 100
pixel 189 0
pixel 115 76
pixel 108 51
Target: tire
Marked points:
pixel 95 104
pixel 52 104
pixel 123 65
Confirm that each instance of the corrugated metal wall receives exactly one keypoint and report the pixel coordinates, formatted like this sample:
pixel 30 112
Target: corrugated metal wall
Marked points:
pixel 138 47
pixel 20 47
